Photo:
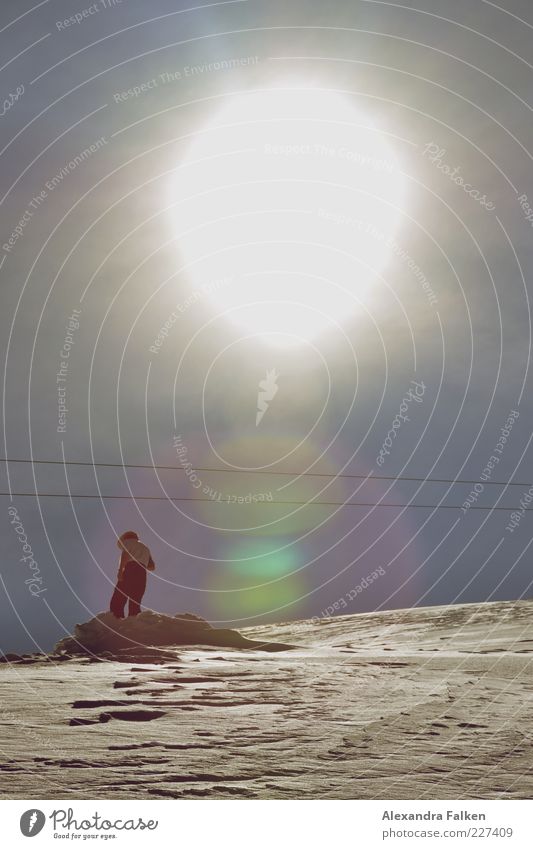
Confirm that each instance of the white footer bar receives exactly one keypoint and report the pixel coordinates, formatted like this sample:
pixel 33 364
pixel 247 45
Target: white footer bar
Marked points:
pixel 254 824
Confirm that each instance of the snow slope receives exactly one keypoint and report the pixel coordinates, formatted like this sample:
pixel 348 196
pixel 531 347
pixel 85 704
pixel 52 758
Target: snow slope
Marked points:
pixel 424 703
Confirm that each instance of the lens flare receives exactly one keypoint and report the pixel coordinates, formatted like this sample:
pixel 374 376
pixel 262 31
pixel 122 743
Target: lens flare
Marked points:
pixel 259 581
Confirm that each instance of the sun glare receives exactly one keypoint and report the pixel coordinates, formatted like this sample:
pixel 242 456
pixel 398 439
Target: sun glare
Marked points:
pixel 286 203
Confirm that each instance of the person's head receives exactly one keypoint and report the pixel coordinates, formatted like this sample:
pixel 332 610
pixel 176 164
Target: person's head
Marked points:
pixel 125 536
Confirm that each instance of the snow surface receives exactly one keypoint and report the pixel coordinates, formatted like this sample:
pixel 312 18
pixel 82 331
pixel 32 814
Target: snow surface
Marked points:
pixel 424 703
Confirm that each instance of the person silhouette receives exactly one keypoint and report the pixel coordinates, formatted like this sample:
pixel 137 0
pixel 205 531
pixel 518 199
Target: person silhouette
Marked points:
pixel 135 561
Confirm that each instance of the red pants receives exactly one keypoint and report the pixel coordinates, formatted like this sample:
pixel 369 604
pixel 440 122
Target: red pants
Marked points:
pixel 130 589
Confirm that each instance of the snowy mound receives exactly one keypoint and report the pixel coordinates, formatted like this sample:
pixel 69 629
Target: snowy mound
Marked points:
pixel 108 636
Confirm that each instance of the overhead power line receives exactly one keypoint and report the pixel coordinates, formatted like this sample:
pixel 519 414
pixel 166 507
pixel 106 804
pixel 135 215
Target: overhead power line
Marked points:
pixel 265 472
pixel 226 501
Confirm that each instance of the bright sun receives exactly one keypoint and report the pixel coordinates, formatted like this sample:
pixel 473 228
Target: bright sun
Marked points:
pixel 287 201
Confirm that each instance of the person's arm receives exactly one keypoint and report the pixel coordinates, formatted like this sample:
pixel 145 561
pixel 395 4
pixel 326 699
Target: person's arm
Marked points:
pixel 151 565
pixel 121 565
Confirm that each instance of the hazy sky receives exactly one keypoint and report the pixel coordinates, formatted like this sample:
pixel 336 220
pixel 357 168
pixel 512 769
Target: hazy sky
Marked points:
pixel 357 173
